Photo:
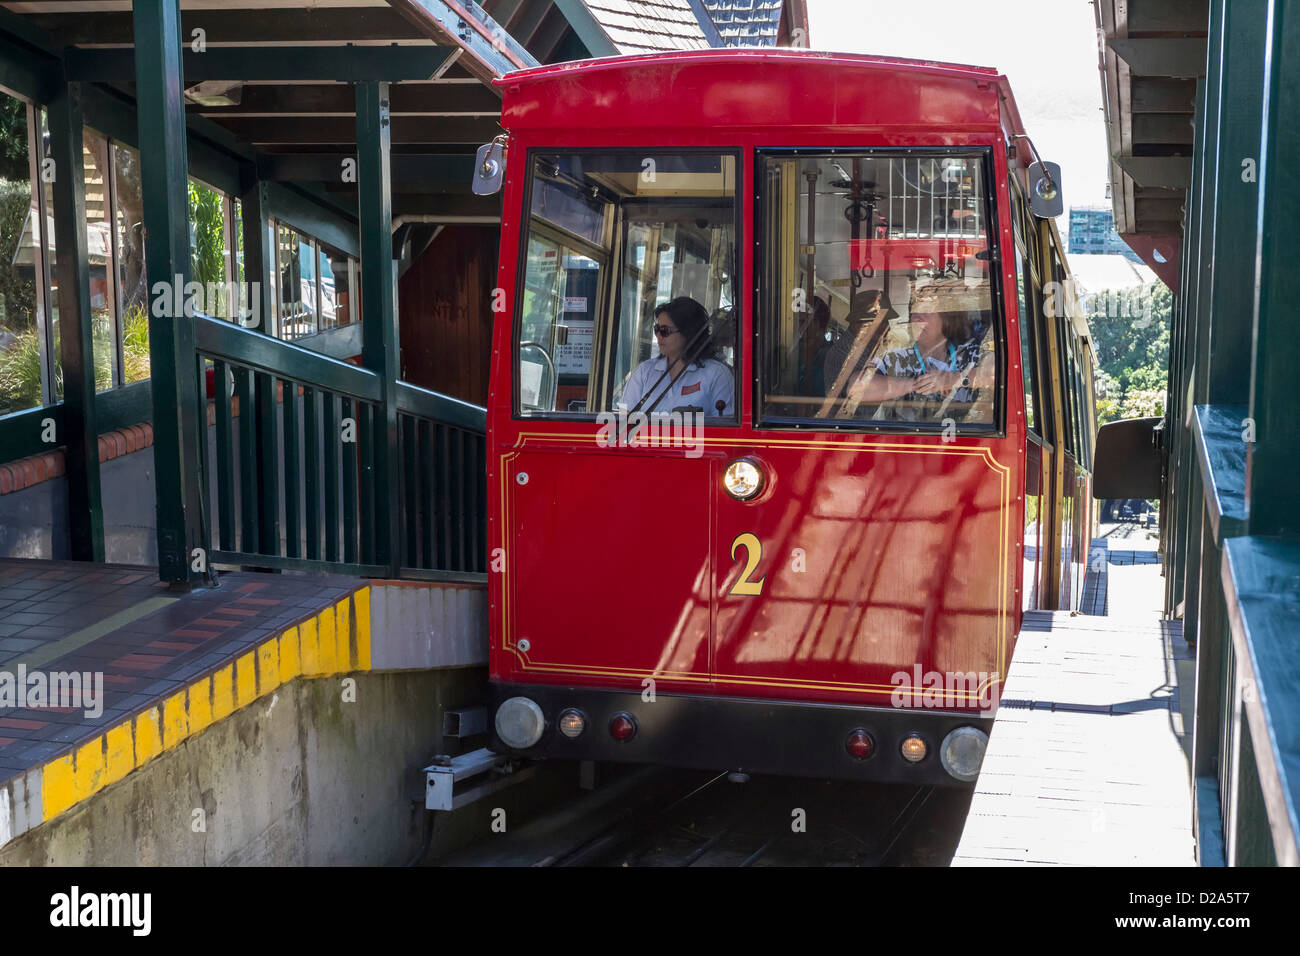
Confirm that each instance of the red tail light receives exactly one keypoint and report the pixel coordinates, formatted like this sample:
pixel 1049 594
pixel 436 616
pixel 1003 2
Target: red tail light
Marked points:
pixel 623 727
pixel 860 745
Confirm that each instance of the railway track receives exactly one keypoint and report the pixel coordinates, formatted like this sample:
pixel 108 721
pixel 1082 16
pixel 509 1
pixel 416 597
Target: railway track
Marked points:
pixel 775 821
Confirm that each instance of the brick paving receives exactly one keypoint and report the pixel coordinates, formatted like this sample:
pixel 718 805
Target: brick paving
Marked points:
pixel 122 623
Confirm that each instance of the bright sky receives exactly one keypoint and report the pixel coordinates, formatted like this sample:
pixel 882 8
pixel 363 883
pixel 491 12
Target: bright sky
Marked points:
pixel 1047 49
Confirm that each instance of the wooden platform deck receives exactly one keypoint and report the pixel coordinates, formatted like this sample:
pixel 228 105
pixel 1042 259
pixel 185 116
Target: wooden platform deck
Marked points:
pixel 1087 760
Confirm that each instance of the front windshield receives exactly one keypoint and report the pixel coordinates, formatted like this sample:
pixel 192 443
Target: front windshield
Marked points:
pixel 879 305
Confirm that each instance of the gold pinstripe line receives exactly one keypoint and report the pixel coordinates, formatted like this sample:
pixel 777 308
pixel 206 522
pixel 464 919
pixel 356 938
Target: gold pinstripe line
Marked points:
pixel 981 451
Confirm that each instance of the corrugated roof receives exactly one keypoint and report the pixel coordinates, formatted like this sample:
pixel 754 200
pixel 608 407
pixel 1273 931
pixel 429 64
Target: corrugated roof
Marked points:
pixel 649 26
pixel 746 22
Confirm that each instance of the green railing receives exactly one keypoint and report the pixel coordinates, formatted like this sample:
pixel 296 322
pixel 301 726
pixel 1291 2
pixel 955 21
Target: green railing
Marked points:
pixel 291 472
pixel 1232 542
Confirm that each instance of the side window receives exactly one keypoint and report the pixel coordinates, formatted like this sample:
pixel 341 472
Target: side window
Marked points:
pixel 1084 416
pixel 1057 307
pixel 1027 299
pixel 628 297
pixel 877 296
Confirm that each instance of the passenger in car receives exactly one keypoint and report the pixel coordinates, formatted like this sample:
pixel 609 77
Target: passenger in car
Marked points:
pixel 851 350
pixel 943 364
pixel 685 375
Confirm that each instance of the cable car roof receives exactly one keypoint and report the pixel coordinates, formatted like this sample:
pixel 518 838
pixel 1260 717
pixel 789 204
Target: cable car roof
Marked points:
pixel 754 87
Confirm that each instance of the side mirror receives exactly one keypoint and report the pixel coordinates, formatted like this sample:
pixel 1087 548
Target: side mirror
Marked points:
pixel 1045 198
pixel 1129 461
pixel 490 167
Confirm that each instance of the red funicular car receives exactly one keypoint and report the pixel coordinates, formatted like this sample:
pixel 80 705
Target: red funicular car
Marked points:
pixel 772 413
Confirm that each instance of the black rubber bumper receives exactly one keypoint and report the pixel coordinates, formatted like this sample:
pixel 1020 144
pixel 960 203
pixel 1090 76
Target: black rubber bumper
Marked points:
pixel 729 733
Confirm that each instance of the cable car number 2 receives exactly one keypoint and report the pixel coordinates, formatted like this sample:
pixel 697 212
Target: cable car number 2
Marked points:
pixel 753 555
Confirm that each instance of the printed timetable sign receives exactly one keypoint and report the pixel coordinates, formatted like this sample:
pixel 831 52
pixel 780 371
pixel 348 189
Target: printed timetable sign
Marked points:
pixel 574 357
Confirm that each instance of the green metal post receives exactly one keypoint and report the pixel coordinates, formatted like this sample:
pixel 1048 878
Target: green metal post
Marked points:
pixel 1198 316
pixel 259 267
pixel 1182 373
pixel 1273 461
pixel 259 257
pixel 80 435
pixel 1226 354
pixel 176 410
pixel 378 312
pixel 1237 194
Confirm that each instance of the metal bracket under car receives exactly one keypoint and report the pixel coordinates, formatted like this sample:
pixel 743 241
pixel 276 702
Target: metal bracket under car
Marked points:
pixel 453 782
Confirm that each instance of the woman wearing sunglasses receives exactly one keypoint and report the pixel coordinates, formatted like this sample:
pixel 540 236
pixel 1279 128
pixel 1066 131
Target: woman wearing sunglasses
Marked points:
pixel 684 375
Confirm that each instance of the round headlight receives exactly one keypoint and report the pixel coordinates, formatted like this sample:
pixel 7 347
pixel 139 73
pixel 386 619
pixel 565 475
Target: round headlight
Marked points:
pixel 572 723
pixel 743 479
pixel 962 752
pixel 913 748
pixel 519 723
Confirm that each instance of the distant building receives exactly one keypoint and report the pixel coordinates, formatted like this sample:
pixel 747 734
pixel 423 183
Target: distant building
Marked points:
pixel 1092 233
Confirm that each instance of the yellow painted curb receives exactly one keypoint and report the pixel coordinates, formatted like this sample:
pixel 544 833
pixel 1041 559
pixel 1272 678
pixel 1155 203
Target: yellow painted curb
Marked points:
pixel 336 640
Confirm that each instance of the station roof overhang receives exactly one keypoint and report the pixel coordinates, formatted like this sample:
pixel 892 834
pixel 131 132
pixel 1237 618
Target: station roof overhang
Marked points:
pixel 1151 55
pixel 271 84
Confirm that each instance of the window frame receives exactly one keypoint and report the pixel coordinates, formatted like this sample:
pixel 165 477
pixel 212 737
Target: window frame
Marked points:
pixel 761 292
pixel 1064 331
pixel 1025 225
pixel 611 281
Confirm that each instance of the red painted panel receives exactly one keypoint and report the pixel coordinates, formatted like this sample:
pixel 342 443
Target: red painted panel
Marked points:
pixel 616 564
pixel 609 565
pixel 876 556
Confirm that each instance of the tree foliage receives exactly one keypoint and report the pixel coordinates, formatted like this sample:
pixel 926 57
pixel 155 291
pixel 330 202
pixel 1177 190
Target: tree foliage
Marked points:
pixel 13 139
pixel 208 244
pixel 1130 331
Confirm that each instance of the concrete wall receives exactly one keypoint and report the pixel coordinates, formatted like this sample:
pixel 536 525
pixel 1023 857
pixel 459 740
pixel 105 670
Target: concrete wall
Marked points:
pixel 414 625
pixel 302 779
pixel 34 521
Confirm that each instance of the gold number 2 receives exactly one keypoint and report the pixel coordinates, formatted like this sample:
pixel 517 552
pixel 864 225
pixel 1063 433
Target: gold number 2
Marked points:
pixel 754 554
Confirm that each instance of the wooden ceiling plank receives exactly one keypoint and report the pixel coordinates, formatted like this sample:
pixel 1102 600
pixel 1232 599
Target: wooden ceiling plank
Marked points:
pixel 1189 17
pixel 1162 129
pixel 1152 94
pixel 242 26
pixel 505 11
pixel 530 19
pixel 1164 56
pixel 1167 172
pixel 286 63
pixel 335 131
pixel 337 99
pixel 549 34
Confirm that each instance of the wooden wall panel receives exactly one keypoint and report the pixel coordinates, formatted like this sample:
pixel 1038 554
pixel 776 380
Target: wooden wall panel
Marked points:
pixel 445 313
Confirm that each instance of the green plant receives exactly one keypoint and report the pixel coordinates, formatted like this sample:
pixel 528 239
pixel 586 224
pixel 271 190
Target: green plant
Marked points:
pixel 16 285
pixel 20 373
pixel 135 345
pixel 208 244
